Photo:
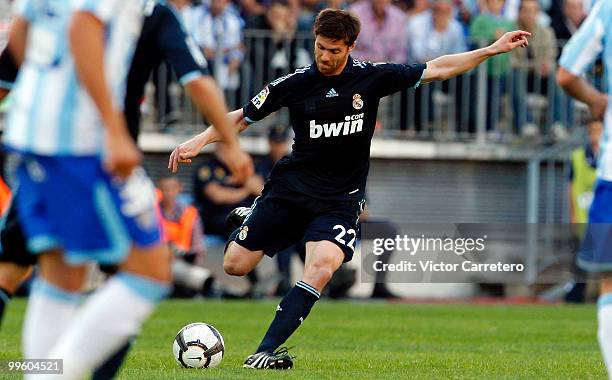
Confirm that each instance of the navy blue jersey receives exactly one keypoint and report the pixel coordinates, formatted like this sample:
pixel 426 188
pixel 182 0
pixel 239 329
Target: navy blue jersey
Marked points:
pixel 8 70
pixel 162 39
pixel 333 118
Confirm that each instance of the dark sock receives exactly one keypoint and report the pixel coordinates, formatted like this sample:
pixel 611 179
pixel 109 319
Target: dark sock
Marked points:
pixel 290 314
pixel 111 366
pixel 5 298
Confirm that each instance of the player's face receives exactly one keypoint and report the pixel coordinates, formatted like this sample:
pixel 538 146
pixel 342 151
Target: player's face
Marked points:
pixel 331 55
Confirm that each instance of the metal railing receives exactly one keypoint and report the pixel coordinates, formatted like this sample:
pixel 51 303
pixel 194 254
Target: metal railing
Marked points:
pixel 547 215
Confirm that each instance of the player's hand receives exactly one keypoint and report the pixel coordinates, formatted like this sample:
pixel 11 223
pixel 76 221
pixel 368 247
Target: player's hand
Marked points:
pixel 598 107
pixel 184 152
pixel 510 41
pixel 238 162
pixel 122 155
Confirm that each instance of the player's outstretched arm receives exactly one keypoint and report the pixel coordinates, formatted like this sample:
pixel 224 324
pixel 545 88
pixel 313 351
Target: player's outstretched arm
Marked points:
pixel 578 88
pixel 192 147
pixel 207 97
pixel 86 35
pixel 449 66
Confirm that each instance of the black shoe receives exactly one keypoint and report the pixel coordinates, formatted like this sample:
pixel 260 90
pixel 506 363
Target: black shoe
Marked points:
pixel 280 359
pixel 235 218
pixel 382 292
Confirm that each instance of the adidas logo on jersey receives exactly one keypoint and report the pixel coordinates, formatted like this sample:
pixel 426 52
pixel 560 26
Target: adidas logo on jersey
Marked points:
pixel 331 93
pixel 351 124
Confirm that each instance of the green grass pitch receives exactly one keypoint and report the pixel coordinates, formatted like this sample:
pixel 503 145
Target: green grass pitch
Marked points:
pixel 366 340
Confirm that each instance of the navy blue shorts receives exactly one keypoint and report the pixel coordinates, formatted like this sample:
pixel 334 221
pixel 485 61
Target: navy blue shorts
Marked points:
pixel 281 218
pixel 596 251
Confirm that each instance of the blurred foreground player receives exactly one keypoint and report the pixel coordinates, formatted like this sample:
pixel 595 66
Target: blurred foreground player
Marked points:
pixel 595 255
pixel 316 193
pixel 162 38
pixel 171 48
pixel 80 200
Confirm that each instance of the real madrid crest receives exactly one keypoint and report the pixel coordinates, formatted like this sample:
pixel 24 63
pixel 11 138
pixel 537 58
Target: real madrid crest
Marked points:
pixel 357 102
pixel 244 230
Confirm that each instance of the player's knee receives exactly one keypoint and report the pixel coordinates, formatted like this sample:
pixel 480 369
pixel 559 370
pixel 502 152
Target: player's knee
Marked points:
pixel 318 274
pixel 235 267
pixel 12 275
pixel 153 263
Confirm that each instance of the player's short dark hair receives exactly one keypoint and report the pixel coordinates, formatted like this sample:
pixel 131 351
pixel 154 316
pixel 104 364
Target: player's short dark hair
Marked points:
pixel 337 24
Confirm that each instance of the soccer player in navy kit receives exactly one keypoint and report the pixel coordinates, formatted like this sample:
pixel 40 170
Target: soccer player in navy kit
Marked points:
pixel 316 193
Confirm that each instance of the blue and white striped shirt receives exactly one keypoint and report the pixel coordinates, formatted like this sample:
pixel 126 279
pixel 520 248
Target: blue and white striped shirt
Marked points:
pixel 592 39
pixel 51 113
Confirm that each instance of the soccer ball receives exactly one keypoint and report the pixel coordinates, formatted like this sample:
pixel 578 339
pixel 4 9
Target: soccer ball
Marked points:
pixel 198 345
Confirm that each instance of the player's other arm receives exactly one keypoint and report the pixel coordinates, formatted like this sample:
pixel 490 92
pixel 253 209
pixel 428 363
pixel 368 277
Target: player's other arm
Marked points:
pixel 18 36
pixel 192 147
pixel 86 35
pixel 449 66
pixel 578 88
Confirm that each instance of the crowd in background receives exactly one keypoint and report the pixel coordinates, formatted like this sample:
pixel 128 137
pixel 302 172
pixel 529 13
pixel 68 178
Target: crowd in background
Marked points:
pixel 269 38
pixel 248 43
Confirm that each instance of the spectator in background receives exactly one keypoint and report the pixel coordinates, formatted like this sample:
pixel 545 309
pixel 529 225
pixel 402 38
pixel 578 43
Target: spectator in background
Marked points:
pixel 309 9
pixel 534 66
pixel 487 27
pixel 435 33
pixel 430 35
pixel 336 4
pixel 215 196
pixel 567 16
pixel 382 37
pixel 183 231
pixel 280 53
pixel 278 147
pixel 218 33
pixel 583 175
pixel 416 7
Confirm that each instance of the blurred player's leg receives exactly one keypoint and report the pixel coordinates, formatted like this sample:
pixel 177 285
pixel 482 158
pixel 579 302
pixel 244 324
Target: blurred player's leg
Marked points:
pixel 115 312
pixel 323 258
pixel 11 276
pixel 53 303
pixel 604 316
pixel 111 366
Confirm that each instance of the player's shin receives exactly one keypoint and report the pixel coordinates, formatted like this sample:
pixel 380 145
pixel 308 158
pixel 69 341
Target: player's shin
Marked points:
pixel 604 316
pixel 109 318
pixel 49 313
pixel 290 314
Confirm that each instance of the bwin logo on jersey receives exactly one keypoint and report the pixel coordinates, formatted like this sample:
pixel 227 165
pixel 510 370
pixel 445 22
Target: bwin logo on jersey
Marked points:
pixel 351 124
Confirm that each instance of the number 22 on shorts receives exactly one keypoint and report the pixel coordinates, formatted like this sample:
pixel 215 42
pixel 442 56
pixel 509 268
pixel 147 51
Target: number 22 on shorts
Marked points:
pixel 340 237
